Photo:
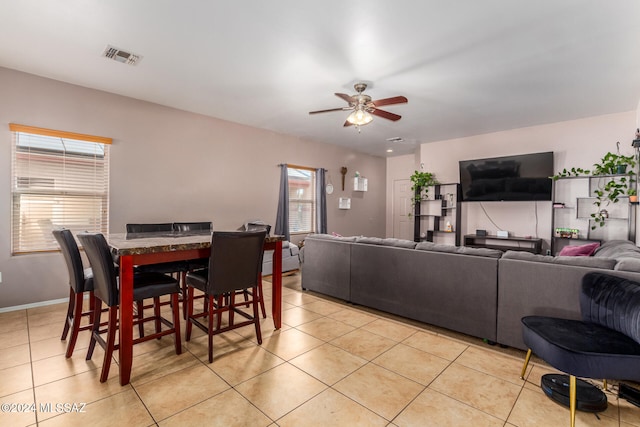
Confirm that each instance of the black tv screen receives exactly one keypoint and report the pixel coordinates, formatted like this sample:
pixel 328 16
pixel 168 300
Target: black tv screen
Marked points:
pixel 512 178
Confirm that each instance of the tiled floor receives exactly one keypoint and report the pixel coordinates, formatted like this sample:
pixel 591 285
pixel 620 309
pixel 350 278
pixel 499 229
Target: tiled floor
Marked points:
pixel 330 365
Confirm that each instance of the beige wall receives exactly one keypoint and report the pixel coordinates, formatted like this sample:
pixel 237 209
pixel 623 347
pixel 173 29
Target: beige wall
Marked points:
pixel 574 143
pixel 169 165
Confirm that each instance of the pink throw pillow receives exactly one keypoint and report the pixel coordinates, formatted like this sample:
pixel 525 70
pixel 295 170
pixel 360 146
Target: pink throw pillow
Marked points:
pixel 581 250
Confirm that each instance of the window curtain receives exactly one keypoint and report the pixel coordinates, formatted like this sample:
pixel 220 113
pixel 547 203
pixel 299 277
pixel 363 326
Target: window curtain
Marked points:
pixel 282 218
pixel 321 201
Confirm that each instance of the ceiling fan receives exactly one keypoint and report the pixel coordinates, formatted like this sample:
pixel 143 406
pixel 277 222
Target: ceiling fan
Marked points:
pixel 364 108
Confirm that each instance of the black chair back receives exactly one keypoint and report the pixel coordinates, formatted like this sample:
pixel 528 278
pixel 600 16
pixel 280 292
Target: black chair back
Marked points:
pixel 257 226
pixel 236 260
pixel 149 228
pixel 105 279
pixel 72 258
pixel 612 302
pixel 193 226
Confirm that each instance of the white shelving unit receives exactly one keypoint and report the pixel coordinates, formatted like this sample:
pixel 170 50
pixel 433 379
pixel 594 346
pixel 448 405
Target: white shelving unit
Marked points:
pixel 360 184
pixel 344 203
pixel 575 197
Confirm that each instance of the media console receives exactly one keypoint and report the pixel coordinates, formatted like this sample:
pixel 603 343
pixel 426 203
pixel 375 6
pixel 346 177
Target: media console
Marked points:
pixel 504 243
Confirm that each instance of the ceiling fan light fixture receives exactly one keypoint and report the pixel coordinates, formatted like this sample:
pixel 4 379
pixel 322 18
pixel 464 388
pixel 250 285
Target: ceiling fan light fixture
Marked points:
pixel 360 117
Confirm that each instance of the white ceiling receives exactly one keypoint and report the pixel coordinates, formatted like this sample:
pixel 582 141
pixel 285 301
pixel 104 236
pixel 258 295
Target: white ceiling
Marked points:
pixel 467 66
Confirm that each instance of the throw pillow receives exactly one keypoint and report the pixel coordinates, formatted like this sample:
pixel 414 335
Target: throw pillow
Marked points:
pixel 579 250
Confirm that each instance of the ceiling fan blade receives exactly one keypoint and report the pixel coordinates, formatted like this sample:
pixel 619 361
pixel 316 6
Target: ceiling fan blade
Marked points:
pixel 389 101
pixel 331 109
pixel 386 115
pixel 346 97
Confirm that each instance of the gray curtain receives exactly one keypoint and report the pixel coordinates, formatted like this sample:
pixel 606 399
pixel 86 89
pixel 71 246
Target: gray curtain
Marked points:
pixel 282 218
pixel 321 201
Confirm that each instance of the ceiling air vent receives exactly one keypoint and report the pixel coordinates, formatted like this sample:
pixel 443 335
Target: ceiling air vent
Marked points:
pixel 395 139
pixel 121 56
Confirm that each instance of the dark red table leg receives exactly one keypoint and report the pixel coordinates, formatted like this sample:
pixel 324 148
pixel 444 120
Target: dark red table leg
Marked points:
pixel 276 290
pixel 126 319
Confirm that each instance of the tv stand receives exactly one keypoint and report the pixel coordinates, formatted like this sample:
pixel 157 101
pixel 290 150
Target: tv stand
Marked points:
pixel 527 244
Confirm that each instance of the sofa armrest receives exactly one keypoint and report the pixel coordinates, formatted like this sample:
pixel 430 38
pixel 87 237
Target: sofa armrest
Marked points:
pixel 294 250
pixel 326 267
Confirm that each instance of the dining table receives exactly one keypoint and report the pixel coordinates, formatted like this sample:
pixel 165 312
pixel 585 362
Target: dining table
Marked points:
pixel 133 249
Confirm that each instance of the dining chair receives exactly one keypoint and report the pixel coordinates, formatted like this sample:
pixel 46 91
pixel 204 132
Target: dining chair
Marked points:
pixel 149 227
pixel 106 290
pixel 198 227
pixel 257 225
pixel 205 226
pixel 165 267
pixel 80 281
pixel 234 266
pixel 194 264
pixel 179 268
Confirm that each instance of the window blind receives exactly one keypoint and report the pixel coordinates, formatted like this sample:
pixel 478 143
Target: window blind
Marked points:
pixel 302 198
pixel 59 179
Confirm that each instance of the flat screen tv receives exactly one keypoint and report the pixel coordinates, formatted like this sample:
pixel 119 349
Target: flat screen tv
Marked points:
pixel 512 178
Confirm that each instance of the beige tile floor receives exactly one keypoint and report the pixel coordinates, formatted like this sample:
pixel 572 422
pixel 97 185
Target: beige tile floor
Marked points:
pixel 331 364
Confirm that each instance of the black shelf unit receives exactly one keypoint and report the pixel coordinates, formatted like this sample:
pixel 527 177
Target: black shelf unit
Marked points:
pixel 448 210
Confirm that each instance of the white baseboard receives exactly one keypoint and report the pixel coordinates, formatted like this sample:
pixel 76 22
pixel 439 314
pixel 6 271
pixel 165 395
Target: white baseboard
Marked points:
pixel 33 305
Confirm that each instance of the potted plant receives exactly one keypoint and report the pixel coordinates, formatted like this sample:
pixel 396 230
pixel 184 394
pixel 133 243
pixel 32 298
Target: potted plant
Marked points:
pixel 633 195
pixel 614 164
pixel 421 181
pixel 615 186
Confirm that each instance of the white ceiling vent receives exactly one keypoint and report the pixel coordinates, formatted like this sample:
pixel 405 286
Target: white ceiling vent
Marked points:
pixel 395 139
pixel 121 56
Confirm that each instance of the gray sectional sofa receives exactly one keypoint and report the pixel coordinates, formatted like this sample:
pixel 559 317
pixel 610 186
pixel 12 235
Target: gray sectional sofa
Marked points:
pixel 479 292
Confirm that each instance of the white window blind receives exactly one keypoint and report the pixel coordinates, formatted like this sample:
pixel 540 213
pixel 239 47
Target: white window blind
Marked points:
pixel 302 199
pixel 59 179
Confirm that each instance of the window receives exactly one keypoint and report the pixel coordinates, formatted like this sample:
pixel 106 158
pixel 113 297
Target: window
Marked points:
pixel 302 199
pixel 59 179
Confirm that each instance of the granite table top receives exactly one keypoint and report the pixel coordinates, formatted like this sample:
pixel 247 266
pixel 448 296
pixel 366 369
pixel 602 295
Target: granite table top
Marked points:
pixel 123 244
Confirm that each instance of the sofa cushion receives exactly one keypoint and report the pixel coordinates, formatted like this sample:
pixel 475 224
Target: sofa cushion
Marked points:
pixel 604 263
pixel 436 247
pixel 579 250
pixel 293 249
pixel 628 264
pixel 486 252
pixel 591 262
pixel 618 249
pixel 369 240
pixel 465 250
pixel 425 246
pixel 397 243
pixel 330 237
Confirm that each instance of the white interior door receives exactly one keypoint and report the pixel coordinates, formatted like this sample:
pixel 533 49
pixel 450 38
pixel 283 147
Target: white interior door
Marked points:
pixel 402 221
